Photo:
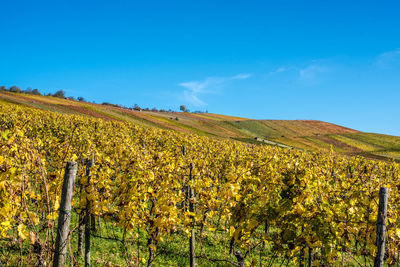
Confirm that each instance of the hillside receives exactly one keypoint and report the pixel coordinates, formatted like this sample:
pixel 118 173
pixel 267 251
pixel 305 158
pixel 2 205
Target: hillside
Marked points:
pixel 148 191
pixel 300 134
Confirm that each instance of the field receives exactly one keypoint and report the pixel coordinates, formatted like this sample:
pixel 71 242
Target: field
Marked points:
pixel 299 134
pixel 247 204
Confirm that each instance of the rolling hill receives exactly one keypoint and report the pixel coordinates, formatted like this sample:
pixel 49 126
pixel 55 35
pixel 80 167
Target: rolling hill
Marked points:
pixel 308 135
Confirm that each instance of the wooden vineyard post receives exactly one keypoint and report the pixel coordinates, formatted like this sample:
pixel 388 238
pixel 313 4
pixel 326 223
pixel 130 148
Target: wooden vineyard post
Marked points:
pixel 310 257
pixel 81 224
pixel 302 257
pixel 64 215
pixel 191 199
pixel 381 226
pixel 185 187
pixel 191 209
pixel 89 164
pixel 81 231
pixel 93 222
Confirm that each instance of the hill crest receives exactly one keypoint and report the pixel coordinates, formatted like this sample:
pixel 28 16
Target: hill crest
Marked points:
pixel 312 135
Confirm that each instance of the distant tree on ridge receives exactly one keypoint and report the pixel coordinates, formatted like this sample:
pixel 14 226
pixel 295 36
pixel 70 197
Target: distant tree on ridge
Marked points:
pixel 183 108
pixel 14 89
pixel 60 94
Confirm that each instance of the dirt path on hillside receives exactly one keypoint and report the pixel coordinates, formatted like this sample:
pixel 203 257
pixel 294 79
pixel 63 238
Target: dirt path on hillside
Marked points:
pixel 271 142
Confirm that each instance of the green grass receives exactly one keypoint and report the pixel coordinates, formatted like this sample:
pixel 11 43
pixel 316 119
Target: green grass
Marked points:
pixel 174 250
pixel 378 140
pixel 108 250
pixel 321 144
pixel 348 139
pixel 257 128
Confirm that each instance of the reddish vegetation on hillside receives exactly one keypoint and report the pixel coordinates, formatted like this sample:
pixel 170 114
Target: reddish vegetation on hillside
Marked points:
pixel 301 134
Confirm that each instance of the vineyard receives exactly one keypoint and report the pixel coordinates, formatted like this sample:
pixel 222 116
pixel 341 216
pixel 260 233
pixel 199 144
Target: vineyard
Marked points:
pixel 307 135
pixel 152 196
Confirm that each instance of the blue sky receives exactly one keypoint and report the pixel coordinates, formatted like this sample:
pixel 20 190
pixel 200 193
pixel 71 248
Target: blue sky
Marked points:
pixel 336 61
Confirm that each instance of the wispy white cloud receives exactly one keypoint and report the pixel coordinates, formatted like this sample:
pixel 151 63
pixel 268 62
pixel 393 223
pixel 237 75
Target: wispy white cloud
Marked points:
pixel 388 58
pixel 241 76
pixel 312 73
pixel 280 70
pixel 209 85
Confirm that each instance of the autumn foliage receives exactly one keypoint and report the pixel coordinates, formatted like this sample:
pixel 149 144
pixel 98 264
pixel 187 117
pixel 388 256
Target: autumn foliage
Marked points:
pixel 289 200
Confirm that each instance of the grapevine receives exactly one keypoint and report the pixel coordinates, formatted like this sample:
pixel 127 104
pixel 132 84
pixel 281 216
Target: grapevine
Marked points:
pixel 286 200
